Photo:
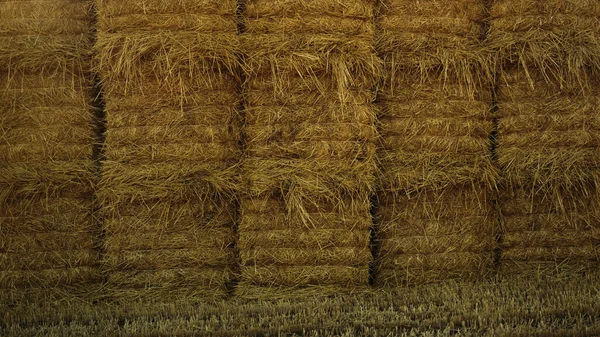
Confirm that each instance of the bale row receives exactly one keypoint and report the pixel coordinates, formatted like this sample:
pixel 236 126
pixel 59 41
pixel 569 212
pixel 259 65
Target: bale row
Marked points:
pixel 170 83
pixel 435 218
pixel 548 127
pixel 309 139
pixel 48 237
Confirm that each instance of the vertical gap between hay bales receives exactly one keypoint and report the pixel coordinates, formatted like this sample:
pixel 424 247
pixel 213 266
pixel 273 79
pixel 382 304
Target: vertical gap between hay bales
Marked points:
pixel 98 155
pixel 241 28
pixel 494 138
pixel 373 239
pixel 373 242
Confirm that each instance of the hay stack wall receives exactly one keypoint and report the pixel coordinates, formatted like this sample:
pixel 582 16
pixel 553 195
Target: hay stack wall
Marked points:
pixel 309 135
pixel 435 218
pixel 548 127
pixel 47 235
pixel 168 70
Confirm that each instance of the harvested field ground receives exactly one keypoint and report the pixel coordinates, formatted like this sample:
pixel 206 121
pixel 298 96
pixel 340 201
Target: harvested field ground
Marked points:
pixel 558 305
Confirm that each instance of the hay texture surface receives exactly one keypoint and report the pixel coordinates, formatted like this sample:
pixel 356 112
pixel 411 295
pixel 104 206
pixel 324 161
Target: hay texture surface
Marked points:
pixel 434 213
pixel 548 101
pixel 548 154
pixel 47 235
pixel 309 169
pixel 168 70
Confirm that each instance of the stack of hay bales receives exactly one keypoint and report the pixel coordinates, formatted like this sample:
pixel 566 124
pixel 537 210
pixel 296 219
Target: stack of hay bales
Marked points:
pixel 548 132
pixel 309 168
pixel 171 90
pixel 47 235
pixel 435 216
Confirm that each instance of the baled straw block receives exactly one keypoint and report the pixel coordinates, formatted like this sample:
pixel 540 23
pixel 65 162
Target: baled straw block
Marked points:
pixel 309 136
pixel 416 37
pixel 435 216
pixel 168 186
pixel 309 244
pixel 547 151
pixel 558 38
pixel 48 236
pixel 434 235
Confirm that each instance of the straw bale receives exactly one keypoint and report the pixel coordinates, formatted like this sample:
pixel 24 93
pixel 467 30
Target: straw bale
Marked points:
pixel 45 35
pixel 434 235
pixel 549 136
pixel 27 216
pixel 434 136
pixel 303 246
pixel 48 237
pixel 547 152
pixel 170 79
pixel 557 38
pixel 432 37
pixel 540 235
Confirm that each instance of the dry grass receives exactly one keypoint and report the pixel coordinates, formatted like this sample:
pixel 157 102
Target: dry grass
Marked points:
pixel 558 39
pixel 547 153
pixel 309 138
pixel 435 217
pixel 560 305
pixel 170 83
pixel 47 174
pixel 547 125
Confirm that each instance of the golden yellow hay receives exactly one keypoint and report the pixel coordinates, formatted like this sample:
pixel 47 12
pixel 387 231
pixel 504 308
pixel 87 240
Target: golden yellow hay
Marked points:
pixel 441 38
pixel 434 214
pixel 310 145
pixel 48 237
pixel 547 152
pixel 558 39
pixel 433 235
pixel 169 71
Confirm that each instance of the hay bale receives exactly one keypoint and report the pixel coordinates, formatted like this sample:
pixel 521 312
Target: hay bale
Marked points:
pixel 309 140
pixel 48 237
pixel 557 38
pixel 171 89
pixel 548 55
pixel 548 155
pixel 435 217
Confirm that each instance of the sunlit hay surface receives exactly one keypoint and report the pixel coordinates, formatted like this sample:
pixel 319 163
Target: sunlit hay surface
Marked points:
pixel 435 218
pixel 548 155
pixel 47 234
pixel 558 38
pixel 416 39
pixel 310 164
pixel 169 75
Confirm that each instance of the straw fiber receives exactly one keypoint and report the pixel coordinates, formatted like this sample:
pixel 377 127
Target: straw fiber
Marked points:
pixel 548 154
pixel 435 218
pixel 47 233
pixel 168 70
pixel 548 101
pixel 309 169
